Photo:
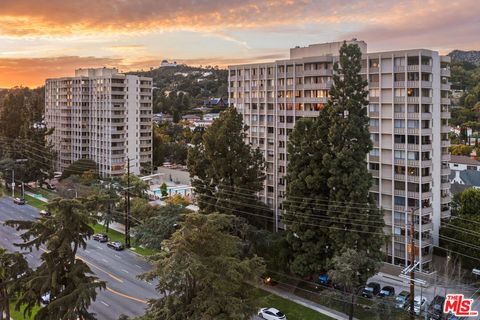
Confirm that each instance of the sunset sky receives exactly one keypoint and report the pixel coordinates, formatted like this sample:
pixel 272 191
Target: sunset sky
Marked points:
pixel 41 39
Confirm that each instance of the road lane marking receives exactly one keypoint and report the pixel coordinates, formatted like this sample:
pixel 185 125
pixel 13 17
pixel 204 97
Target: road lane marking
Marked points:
pixel 104 260
pixel 138 266
pixel 104 303
pixel 104 271
pixel 116 255
pixel 126 296
pixel 125 271
pixel 95 266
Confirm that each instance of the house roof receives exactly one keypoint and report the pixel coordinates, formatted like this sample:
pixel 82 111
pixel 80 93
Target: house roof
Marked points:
pixel 464 160
pixel 470 177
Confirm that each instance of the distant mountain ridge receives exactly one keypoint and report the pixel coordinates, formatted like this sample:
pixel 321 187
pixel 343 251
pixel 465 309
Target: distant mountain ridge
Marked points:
pixel 472 56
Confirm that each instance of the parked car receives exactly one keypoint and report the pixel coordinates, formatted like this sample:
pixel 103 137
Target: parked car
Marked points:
pixel 116 245
pixel 45 299
pixel 387 291
pixel 100 237
pixel 419 305
pixel 44 213
pixel 371 290
pixel 402 300
pixel 324 280
pixel 271 314
pixel 19 201
pixel 435 309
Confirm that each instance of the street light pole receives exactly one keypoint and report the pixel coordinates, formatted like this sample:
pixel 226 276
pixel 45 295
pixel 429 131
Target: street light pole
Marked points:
pixel 412 261
pixel 127 207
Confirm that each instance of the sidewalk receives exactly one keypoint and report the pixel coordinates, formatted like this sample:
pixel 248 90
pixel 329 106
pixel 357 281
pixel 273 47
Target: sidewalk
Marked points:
pixel 304 302
pixel 39 197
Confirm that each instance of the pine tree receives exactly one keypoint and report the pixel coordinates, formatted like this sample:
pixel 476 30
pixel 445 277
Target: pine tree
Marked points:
pixel 13 269
pixel 202 273
pixel 68 280
pixel 358 223
pixel 226 172
pixel 305 197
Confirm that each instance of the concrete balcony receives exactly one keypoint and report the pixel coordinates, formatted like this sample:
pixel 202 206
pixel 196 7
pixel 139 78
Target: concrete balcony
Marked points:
pixel 399 115
pixel 426 84
pixel 413 67
pixel 399 68
pixel 399 130
pixel 375 173
pixel 399 146
pixel 318 72
pixel 445 115
pixel 399 192
pixel 445 101
pixel 444 72
pixel 374 129
pixel 445 171
pixel 374 114
pixel 373 99
pixel 426 100
pixel 374 188
pixel 446 157
pixel 445 143
pixel 445 86
pixel 373 158
pixel 445 129
pixel 399 99
pixel 445 200
pixel 399 161
pixel 445 214
pixel 399 84
pixel 445 185
pixel 373 84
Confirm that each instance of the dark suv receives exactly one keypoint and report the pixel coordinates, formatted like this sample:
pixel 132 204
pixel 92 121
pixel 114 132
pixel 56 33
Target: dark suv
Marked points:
pixel 435 309
pixel 371 290
pixel 100 237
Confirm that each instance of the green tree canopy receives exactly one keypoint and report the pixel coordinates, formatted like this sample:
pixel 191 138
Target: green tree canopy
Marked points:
pixel 68 280
pixel 201 273
pixel 226 172
pixel 13 270
pixel 160 226
pixel 79 167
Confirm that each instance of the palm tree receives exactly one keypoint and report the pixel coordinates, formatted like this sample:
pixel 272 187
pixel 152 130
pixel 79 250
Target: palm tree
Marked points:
pixel 13 268
pixel 68 281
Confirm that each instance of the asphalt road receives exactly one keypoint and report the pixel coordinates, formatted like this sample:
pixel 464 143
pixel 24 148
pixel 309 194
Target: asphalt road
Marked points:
pixel 125 293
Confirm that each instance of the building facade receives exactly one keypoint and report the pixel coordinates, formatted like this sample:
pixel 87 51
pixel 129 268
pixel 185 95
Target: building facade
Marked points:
pixel 102 115
pixel 409 113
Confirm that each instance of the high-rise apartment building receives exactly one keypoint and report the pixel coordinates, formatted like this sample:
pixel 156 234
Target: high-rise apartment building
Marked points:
pixel 102 115
pixel 409 113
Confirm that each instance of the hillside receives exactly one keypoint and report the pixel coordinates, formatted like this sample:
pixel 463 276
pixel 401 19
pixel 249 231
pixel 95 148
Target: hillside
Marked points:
pixel 197 83
pixel 472 57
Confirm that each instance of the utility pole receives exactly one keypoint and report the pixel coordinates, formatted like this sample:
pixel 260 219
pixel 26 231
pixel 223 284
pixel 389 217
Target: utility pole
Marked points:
pixel 412 262
pixel 13 183
pixel 127 207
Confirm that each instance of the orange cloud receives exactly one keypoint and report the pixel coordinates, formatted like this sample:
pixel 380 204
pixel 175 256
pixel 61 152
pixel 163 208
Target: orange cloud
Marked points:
pixel 32 72
pixel 58 17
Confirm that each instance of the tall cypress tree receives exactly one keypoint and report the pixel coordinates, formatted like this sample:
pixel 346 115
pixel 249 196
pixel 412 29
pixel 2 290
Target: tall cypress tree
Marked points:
pixel 358 222
pixel 305 206
pixel 226 172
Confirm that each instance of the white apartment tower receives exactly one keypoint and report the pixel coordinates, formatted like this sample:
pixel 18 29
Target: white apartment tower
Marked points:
pixel 408 110
pixel 102 115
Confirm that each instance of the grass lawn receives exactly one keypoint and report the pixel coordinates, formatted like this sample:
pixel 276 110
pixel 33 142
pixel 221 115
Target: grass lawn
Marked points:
pixel 114 235
pixel 34 202
pixel 292 310
pixel 18 315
